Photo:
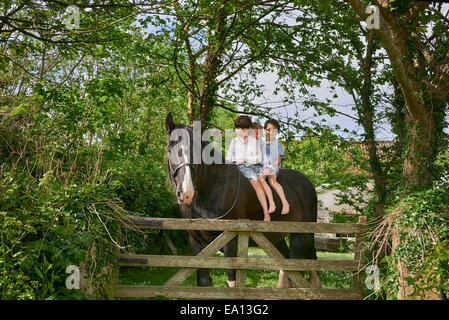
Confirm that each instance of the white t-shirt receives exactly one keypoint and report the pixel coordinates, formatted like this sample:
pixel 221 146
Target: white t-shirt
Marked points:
pixel 248 149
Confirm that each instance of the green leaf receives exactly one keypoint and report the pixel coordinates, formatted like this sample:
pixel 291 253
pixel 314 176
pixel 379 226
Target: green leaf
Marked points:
pixel 38 272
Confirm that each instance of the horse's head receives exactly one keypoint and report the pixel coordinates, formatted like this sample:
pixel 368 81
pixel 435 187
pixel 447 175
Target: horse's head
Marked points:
pixel 179 157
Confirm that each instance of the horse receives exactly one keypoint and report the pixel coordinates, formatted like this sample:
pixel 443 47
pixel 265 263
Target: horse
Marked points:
pixel 216 191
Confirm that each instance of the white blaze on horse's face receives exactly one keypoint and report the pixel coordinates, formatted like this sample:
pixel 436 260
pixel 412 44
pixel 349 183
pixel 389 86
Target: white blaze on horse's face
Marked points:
pixel 187 191
pixel 180 158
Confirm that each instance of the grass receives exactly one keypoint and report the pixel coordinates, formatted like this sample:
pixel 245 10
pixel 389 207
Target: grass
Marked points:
pixel 255 278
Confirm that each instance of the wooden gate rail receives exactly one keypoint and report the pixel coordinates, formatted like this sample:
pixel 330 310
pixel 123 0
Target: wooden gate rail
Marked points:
pixel 139 260
pixel 236 293
pixel 244 229
pixel 246 225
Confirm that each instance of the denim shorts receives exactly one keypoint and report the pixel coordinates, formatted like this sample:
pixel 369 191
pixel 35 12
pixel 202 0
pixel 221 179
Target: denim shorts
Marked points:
pixel 260 168
pixel 248 171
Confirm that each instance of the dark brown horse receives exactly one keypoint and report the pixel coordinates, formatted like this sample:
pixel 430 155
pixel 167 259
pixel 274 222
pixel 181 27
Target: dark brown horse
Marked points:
pixel 221 191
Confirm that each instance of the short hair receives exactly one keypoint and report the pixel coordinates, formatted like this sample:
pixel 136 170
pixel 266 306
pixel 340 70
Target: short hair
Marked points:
pixel 256 125
pixel 243 122
pixel 274 122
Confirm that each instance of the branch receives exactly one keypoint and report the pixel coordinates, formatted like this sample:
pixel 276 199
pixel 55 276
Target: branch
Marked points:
pixel 414 10
pixel 399 69
pixel 19 65
pixel 242 112
pixel 117 21
pixel 445 19
pixel 359 9
pixel 73 69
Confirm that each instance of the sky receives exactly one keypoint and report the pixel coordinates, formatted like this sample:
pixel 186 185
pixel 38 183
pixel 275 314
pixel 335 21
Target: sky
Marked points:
pixel 343 103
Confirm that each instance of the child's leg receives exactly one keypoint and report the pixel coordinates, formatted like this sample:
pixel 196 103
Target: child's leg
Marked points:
pixel 276 186
pixel 267 189
pixel 261 196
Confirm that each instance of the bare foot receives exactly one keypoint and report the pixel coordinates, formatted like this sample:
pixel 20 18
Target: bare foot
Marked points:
pixel 285 208
pixel 266 217
pixel 272 208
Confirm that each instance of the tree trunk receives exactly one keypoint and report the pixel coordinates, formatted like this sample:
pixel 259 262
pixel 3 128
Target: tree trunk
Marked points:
pixel 421 151
pixel 366 115
pixel 209 87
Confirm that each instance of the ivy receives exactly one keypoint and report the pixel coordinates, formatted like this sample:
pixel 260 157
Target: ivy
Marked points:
pixel 423 237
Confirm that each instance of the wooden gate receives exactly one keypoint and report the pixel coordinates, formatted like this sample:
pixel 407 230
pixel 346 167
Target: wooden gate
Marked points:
pixel 245 229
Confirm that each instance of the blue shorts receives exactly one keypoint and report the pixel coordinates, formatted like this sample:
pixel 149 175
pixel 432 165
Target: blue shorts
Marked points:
pixel 260 168
pixel 248 171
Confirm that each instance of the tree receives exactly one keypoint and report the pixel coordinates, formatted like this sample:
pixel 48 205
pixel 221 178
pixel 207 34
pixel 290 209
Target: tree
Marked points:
pixel 302 54
pixel 415 36
pixel 82 141
pixel 214 41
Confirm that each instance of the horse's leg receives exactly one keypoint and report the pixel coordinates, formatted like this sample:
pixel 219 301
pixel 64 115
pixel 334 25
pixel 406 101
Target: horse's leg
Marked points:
pixel 284 281
pixel 308 241
pixel 197 244
pixel 230 250
pixel 302 246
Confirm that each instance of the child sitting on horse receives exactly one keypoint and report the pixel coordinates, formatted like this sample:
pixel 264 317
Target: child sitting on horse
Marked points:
pixel 273 153
pixel 245 152
pixel 256 132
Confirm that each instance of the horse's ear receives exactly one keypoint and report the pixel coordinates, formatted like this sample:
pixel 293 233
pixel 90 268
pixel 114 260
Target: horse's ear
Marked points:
pixel 169 124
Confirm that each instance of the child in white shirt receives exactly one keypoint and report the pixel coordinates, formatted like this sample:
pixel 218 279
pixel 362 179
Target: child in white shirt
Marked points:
pixel 245 151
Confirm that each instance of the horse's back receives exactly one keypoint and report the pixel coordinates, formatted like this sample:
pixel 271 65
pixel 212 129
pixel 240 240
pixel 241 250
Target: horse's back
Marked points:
pixel 296 177
pixel 297 186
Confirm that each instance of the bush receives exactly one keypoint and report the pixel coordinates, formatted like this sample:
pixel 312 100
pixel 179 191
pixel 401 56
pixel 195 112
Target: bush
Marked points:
pixel 420 230
pixel 46 227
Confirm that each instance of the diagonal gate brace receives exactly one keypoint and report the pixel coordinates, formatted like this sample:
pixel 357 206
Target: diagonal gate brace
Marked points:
pixel 274 253
pixel 208 251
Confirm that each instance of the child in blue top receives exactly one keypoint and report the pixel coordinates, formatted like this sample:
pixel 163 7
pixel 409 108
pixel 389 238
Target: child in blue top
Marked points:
pixel 273 153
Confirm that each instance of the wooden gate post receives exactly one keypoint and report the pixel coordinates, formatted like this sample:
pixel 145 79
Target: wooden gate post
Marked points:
pixel 242 252
pixel 359 255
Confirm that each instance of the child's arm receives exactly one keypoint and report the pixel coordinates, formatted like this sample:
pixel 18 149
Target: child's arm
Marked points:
pixel 280 155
